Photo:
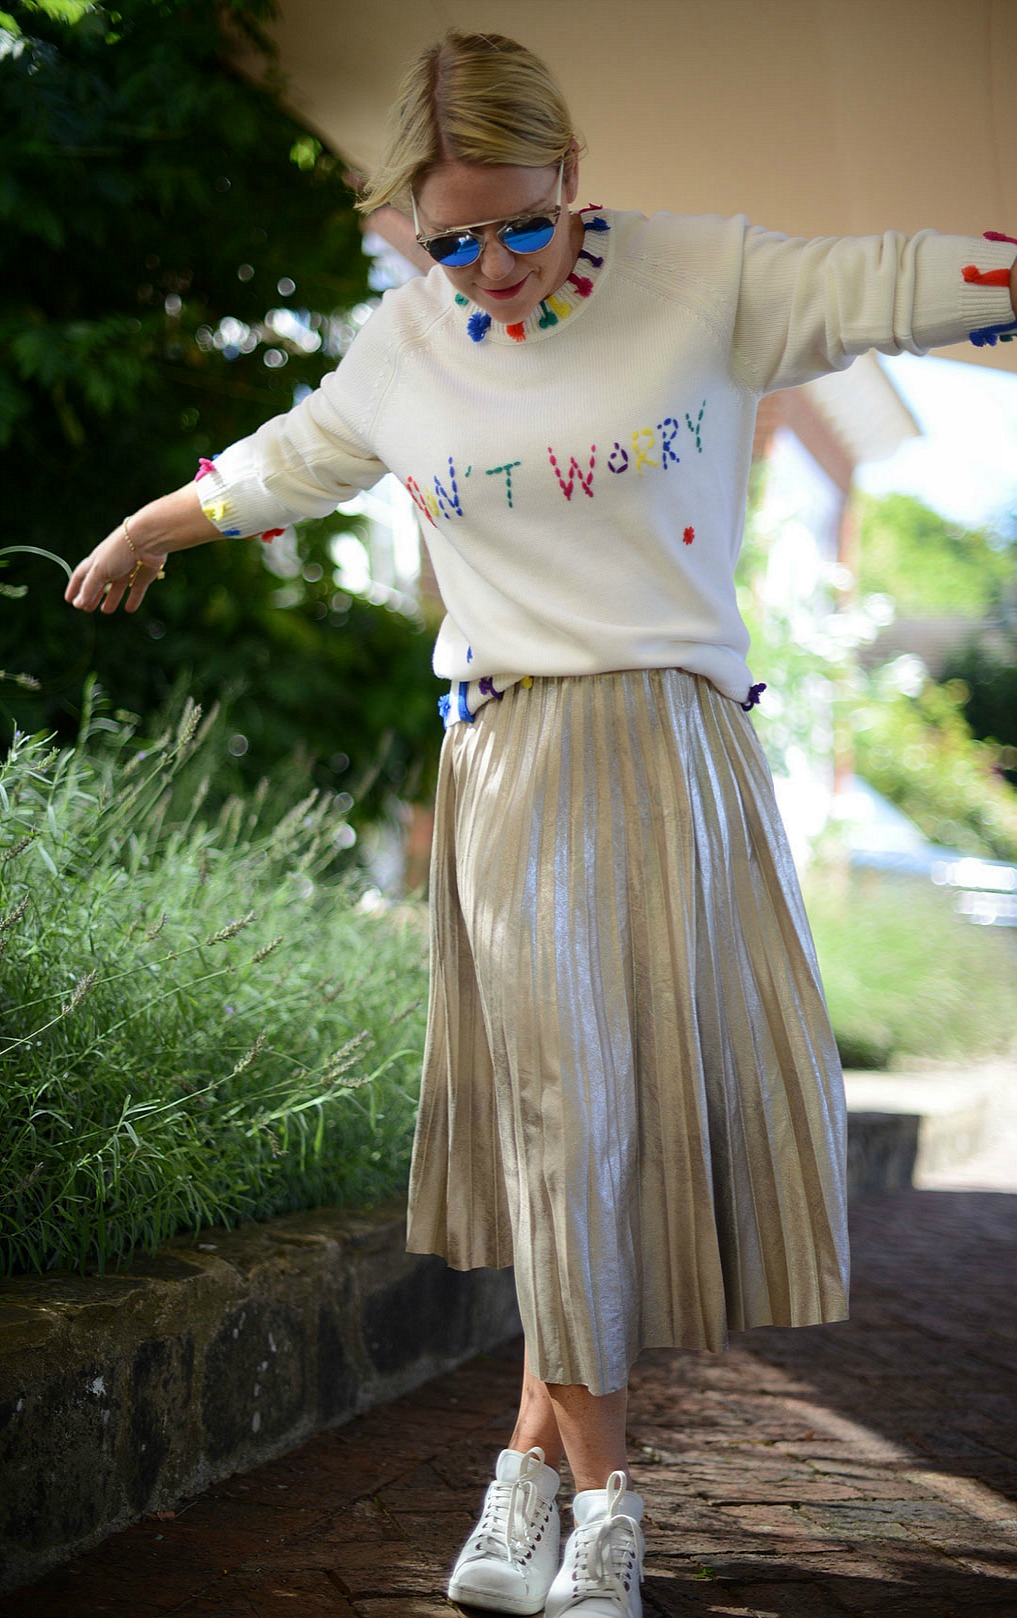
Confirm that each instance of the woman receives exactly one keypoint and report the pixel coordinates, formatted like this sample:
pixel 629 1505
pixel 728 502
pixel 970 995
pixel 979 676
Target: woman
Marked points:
pixel 631 1090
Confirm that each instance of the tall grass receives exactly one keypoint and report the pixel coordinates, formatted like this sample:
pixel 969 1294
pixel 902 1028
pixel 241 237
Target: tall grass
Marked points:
pixel 198 1023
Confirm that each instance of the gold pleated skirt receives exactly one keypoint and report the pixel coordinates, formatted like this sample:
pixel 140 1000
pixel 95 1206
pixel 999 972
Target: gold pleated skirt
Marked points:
pixel 631 1090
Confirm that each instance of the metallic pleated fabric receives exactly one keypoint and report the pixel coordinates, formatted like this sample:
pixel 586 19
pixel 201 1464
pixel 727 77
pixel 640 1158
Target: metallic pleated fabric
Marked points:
pixel 631 1091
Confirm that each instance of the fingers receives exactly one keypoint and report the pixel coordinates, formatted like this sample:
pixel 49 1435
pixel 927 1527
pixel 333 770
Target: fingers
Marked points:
pixel 77 579
pixel 136 588
pixel 93 585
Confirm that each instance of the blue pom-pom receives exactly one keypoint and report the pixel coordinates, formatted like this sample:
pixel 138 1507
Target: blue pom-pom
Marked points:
pixel 596 224
pixel 478 326
pixel 444 704
pixel 989 336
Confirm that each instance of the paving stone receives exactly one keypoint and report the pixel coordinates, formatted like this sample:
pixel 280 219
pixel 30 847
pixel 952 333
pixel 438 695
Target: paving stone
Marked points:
pixel 270 1596
pixel 806 1600
pixel 412 1607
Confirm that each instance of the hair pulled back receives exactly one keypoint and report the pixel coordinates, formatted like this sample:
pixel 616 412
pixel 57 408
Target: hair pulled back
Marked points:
pixel 475 98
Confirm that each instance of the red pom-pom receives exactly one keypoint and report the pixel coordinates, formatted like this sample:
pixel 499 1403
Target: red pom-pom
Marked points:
pixel 582 284
pixel 688 536
pixel 985 278
pixel 270 534
pixel 517 330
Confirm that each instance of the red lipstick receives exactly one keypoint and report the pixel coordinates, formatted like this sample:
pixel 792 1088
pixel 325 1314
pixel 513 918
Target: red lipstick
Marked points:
pixel 505 292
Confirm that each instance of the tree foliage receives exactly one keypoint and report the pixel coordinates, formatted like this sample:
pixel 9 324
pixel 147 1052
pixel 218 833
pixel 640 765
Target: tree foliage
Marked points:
pixel 176 253
pixel 920 753
pixel 929 566
pixel 989 683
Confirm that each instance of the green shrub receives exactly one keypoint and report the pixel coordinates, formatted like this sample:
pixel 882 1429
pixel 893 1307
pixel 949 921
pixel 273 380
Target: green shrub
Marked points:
pixel 920 753
pixel 198 1021
pixel 905 978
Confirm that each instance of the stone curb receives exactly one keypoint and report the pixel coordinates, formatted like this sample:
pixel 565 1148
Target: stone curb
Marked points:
pixel 125 1393
pixel 901 1126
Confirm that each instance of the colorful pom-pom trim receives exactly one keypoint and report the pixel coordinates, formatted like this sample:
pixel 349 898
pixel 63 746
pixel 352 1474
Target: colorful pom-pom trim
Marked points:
pixel 985 278
pixel 989 336
pixel 1005 331
pixel 216 510
pixel 558 306
pixel 755 692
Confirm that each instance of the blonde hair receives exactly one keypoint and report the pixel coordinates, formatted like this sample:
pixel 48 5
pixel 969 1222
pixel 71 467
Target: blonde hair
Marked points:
pixel 475 98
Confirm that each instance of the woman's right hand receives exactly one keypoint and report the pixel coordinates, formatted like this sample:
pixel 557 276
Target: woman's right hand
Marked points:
pixel 116 571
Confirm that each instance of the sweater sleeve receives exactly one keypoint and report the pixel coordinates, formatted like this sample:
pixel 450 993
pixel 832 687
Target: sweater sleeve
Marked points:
pixel 303 463
pixel 808 307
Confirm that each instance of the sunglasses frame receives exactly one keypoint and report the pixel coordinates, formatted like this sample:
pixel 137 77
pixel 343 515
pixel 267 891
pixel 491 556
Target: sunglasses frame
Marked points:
pixel 552 215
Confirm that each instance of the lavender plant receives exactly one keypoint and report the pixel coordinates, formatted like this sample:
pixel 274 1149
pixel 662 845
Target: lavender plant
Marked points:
pixel 199 1023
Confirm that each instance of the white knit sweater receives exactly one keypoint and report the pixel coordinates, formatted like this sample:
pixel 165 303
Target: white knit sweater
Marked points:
pixel 581 479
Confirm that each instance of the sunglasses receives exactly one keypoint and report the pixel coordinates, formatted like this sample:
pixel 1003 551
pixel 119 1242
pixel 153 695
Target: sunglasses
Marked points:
pixel 457 248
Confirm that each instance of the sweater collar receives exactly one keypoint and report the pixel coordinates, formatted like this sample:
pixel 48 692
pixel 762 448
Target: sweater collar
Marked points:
pixel 561 305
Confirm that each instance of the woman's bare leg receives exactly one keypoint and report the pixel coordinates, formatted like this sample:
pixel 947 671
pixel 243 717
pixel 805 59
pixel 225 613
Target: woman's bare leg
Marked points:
pixel 592 1428
pixel 537 1422
pixel 562 1418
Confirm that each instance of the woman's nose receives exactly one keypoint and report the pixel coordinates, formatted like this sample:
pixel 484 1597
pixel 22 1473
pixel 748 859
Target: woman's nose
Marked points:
pixel 495 259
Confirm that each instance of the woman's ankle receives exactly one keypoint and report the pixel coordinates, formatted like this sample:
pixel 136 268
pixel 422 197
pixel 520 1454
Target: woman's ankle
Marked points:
pixel 522 1441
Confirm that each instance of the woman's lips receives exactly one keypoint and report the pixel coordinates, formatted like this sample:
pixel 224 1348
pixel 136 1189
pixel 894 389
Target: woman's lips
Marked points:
pixel 505 292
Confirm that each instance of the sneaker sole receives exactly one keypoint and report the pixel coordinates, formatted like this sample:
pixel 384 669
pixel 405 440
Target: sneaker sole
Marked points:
pixel 485 1602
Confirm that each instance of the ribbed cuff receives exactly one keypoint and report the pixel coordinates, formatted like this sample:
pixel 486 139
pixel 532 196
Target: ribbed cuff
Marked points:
pixel 948 308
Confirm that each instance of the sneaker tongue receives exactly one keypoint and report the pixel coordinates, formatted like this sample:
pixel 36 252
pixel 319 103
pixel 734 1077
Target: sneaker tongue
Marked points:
pixel 589 1505
pixel 508 1465
pixel 594 1503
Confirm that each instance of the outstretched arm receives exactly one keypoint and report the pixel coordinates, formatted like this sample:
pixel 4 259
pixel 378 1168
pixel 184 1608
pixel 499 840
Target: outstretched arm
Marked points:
pixel 125 563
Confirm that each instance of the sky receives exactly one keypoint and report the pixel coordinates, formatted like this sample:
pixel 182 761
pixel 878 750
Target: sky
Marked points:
pixel 965 465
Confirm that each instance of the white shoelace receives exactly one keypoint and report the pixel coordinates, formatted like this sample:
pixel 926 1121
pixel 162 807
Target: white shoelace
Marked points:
pixel 509 1515
pixel 606 1553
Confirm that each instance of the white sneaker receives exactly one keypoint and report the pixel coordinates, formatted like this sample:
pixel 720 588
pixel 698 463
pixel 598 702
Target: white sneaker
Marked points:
pixel 511 1557
pixel 603 1563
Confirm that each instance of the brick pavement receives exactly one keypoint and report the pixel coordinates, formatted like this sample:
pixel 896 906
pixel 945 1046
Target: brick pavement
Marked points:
pixel 866 1469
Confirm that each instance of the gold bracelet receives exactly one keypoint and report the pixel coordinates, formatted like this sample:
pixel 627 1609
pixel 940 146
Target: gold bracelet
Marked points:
pixel 127 536
pixel 140 563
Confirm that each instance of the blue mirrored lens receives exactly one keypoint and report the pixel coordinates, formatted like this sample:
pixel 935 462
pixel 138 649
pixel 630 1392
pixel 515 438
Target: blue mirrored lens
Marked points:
pixel 455 251
pixel 528 237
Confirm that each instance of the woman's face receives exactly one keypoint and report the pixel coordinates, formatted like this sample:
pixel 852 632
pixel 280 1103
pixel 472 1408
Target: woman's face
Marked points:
pixel 508 285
